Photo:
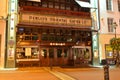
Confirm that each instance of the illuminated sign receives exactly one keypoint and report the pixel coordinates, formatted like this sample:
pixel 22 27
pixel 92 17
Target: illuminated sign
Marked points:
pixel 57 44
pixel 55 20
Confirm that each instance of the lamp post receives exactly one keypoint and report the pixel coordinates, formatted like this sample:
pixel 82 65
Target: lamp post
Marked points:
pixel 115 26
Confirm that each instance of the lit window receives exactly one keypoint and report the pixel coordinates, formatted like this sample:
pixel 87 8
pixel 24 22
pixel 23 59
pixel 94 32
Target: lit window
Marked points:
pixel 56 5
pixel 50 5
pixel 62 6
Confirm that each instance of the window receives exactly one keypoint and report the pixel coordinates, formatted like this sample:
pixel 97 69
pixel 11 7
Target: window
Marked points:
pixel 44 53
pixel 27 53
pixel 57 5
pixel 62 6
pixel 35 4
pixel 59 53
pixel 110 27
pixel 119 21
pixel 50 4
pixel 118 5
pixel 68 7
pixel 29 3
pixel 44 4
pixel 109 5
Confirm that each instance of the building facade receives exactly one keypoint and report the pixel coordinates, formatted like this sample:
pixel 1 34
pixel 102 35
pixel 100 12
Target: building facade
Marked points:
pixel 53 32
pixel 109 13
pixel 3 21
pixel 46 32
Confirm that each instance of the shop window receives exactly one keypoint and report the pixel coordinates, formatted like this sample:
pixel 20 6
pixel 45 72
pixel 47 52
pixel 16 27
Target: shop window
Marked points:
pixel 44 37
pixel 69 39
pixel 27 37
pixel 35 37
pixel 27 53
pixel 51 38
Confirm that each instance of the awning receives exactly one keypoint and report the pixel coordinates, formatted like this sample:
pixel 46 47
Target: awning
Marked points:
pixel 84 4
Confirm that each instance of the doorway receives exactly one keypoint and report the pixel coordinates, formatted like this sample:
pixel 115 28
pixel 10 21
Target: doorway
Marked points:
pixel 56 56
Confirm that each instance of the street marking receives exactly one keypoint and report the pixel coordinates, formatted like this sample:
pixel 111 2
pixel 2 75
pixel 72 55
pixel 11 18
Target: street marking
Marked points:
pixel 60 75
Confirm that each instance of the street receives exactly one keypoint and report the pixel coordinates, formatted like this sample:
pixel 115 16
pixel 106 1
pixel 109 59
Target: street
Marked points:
pixel 44 73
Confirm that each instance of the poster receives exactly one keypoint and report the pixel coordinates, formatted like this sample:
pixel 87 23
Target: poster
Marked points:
pixel 28 51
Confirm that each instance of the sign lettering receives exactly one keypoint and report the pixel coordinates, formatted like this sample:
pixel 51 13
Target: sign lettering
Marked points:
pixel 55 20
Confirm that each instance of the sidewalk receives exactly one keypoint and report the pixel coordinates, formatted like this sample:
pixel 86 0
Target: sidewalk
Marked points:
pixel 39 73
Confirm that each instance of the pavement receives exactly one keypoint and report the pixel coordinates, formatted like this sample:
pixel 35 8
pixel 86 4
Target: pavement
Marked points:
pixel 46 73
pixel 36 73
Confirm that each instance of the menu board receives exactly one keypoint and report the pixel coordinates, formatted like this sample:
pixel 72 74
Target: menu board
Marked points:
pixel 28 51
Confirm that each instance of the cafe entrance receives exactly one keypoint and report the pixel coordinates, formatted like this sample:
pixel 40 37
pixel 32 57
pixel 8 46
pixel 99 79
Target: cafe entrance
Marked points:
pixel 56 56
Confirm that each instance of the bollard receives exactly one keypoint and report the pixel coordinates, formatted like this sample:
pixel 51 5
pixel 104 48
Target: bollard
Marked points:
pixel 106 72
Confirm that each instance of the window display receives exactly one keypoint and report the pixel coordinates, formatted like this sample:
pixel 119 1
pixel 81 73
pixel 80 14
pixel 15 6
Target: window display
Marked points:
pixel 27 53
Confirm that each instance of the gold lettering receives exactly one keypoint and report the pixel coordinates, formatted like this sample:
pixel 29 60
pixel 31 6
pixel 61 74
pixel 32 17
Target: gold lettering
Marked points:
pixel 56 20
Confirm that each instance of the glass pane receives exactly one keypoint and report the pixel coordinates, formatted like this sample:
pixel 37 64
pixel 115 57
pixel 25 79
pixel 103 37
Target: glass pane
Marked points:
pixel 62 6
pixel 59 53
pixel 44 4
pixel 35 37
pixel 50 4
pixel 27 37
pixel 57 5
pixel 67 7
pixel 44 52
pixel 65 52
pixel 35 4
pixel 51 53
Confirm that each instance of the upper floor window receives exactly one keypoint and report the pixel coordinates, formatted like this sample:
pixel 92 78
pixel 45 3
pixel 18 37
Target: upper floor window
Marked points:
pixel 109 5
pixel 118 5
pixel 119 21
pixel 50 4
pixel 110 23
pixel 44 4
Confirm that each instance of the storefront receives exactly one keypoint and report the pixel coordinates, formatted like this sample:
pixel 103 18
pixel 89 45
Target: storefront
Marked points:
pixel 48 36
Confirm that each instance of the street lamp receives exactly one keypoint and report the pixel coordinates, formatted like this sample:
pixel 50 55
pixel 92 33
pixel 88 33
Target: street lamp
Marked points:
pixel 115 26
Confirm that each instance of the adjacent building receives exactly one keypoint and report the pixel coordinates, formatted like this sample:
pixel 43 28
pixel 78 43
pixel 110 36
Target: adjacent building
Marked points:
pixel 109 27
